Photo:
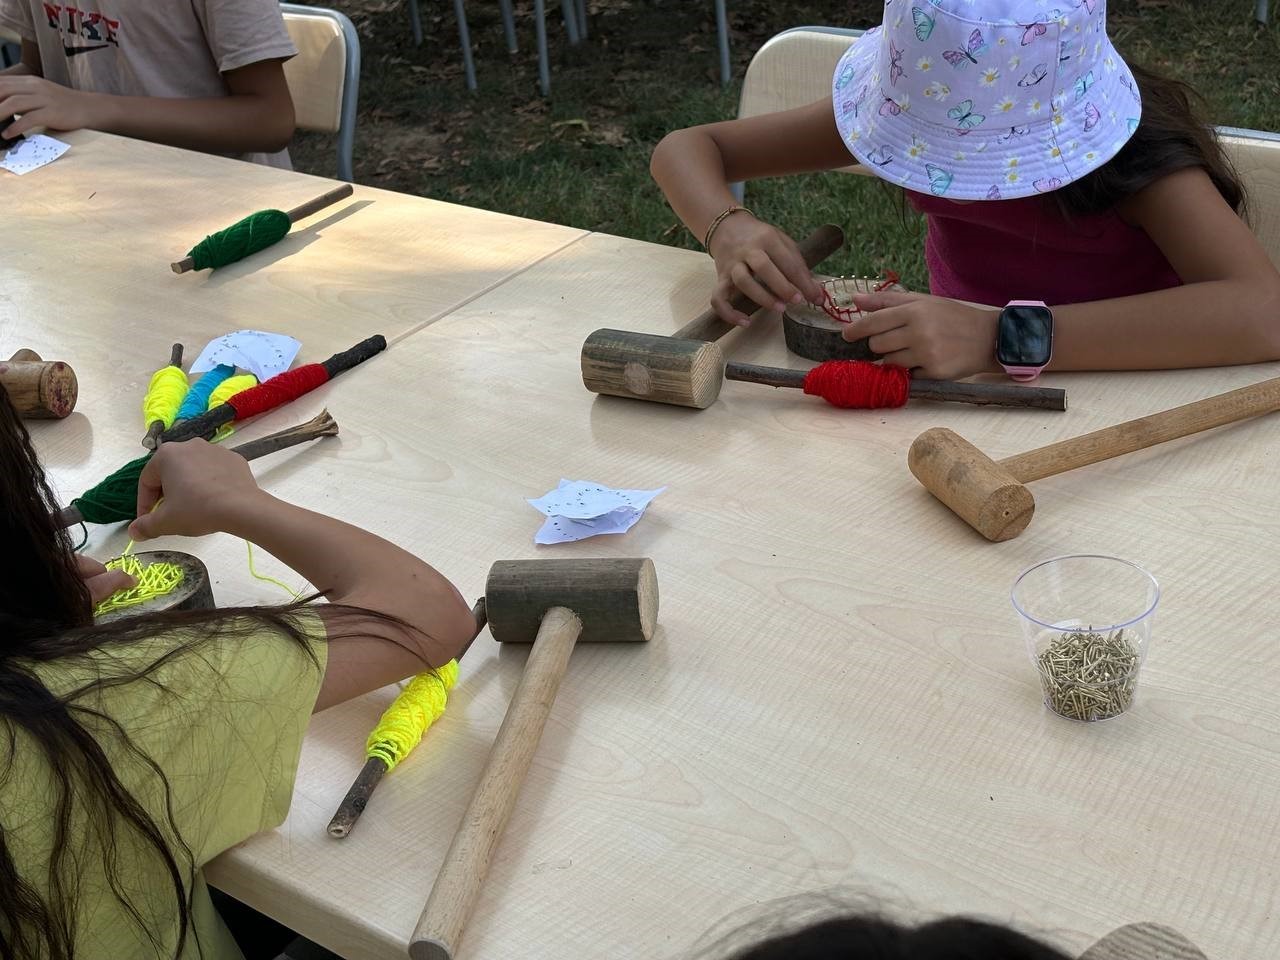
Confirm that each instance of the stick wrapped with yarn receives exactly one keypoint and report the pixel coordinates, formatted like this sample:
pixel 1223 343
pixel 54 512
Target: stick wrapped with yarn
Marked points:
pixel 863 385
pixel 255 232
pixel 275 392
pixel 400 729
pixel 115 499
pixel 165 395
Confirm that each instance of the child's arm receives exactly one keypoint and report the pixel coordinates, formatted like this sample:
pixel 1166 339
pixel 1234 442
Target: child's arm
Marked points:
pixel 1226 312
pixel 256 116
pixel 694 168
pixel 207 489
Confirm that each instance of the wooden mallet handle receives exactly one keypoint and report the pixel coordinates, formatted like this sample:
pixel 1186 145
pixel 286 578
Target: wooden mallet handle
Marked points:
pixel 997 394
pixel 466 864
pixel 39 389
pixel 1251 401
pixel 297 213
pixel 815 248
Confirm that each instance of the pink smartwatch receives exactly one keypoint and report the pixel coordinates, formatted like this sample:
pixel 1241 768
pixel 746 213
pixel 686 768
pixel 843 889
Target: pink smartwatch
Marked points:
pixel 1024 338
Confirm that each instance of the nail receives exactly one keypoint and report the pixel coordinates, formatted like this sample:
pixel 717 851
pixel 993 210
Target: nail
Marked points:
pixel 798 297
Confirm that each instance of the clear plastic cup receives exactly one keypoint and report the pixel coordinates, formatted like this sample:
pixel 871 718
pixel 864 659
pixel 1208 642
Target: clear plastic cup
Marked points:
pixel 1087 622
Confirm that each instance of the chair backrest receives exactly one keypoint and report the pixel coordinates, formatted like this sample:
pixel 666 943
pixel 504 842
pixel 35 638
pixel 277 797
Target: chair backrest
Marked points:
pixel 10 48
pixel 794 68
pixel 324 78
pixel 1256 155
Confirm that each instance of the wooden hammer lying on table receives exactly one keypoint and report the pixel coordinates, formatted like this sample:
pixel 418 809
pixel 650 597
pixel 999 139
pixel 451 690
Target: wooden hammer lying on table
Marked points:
pixel 554 603
pixel 991 495
pixel 39 389
pixel 689 373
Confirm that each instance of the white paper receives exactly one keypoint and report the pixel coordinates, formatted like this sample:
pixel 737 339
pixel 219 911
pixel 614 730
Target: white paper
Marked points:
pixel 578 509
pixel 33 152
pixel 262 354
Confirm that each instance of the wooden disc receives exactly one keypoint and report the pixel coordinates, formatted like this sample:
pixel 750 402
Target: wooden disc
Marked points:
pixel 195 592
pixel 1144 941
pixel 812 334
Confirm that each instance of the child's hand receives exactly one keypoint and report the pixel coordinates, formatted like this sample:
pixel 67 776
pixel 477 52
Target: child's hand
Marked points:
pixel 744 246
pixel 195 489
pixel 939 339
pixel 102 582
pixel 42 103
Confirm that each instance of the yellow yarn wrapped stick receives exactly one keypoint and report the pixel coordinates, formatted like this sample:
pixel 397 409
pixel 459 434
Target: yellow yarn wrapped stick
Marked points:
pixel 165 393
pixel 419 705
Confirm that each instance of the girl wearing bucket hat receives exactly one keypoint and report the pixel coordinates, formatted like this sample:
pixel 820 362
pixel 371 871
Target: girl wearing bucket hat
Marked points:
pixel 1080 198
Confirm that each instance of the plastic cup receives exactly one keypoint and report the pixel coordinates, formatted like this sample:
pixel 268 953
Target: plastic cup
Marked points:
pixel 1087 623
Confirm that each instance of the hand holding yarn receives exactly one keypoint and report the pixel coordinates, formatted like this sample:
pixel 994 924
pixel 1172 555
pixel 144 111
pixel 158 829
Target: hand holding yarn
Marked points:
pixel 758 259
pixel 192 489
pixel 935 338
pixel 101 582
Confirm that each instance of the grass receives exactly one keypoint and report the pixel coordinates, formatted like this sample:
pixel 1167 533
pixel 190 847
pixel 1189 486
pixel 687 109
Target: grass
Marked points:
pixel 649 66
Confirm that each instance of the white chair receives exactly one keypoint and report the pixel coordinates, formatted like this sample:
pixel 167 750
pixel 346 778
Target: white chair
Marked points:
pixel 1256 156
pixel 324 78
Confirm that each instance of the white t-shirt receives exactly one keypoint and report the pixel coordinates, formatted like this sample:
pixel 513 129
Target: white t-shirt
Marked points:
pixel 152 48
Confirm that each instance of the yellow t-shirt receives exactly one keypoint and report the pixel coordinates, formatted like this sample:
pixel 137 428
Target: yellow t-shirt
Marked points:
pixel 224 722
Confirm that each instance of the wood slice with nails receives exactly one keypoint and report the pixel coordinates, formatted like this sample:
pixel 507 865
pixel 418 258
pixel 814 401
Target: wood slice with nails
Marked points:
pixel 195 592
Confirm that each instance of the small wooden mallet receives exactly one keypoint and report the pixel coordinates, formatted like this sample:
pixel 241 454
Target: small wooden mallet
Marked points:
pixel 991 495
pixel 689 373
pixel 297 213
pixel 554 603
pixel 39 389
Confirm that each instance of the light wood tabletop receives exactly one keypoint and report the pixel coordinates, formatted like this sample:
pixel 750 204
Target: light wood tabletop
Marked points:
pixel 838 693
pixel 837 696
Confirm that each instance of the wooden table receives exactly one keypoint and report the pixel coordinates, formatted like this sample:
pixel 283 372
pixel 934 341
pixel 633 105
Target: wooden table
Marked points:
pixel 838 694
pixel 84 270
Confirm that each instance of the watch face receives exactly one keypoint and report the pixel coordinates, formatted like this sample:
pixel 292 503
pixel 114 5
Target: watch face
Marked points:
pixel 1026 337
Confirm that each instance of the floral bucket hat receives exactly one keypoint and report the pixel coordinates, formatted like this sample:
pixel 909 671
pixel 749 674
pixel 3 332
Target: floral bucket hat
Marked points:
pixel 985 99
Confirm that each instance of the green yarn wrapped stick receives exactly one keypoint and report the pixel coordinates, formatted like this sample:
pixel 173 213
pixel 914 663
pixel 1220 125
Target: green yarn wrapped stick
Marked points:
pixel 255 232
pixel 115 499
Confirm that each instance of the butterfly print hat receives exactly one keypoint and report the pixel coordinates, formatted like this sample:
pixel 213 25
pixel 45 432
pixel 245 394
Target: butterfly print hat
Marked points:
pixel 985 99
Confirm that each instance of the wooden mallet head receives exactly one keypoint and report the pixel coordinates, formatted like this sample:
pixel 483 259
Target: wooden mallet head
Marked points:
pixel 616 599
pixel 645 366
pixel 983 493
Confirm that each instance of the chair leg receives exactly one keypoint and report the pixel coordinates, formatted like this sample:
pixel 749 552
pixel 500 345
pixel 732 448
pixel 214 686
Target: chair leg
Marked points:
pixel 464 35
pixel 582 18
pixel 1261 13
pixel 739 190
pixel 415 22
pixel 540 28
pixel 722 28
pixel 570 21
pixel 509 25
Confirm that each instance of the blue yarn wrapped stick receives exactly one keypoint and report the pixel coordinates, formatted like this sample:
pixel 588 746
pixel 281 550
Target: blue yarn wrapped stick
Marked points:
pixel 197 399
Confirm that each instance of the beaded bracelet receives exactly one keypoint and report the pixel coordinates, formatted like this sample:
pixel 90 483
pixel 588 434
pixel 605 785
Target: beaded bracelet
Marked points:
pixel 711 230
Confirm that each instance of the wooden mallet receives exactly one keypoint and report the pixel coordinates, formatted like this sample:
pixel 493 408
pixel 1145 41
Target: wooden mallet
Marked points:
pixel 39 389
pixel 991 495
pixel 554 603
pixel 689 373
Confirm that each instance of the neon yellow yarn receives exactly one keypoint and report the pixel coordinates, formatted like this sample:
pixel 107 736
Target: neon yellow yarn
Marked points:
pixel 154 580
pixel 167 390
pixel 229 387
pixel 407 719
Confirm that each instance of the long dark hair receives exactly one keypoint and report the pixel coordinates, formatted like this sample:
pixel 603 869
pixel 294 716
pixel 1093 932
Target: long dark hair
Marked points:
pixel 45 615
pixel 1172 134
pixel 870 937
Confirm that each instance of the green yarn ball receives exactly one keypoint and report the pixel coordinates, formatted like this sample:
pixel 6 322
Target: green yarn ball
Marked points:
pixel 255 232
pixel 115 498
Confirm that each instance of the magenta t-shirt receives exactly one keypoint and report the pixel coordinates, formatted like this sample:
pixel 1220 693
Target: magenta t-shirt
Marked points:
pixel 1000 250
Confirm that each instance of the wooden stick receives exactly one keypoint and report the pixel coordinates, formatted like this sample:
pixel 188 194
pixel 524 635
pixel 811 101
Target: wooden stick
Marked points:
pixel 156 427
pixel 322 425
pixel 815 248
pixel 465 865
pixel 294 215
pixel 1251 401
pixel 998 394
pixel 371 774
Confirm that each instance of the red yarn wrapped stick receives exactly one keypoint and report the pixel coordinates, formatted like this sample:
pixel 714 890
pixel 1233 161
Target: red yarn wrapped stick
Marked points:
pixel 275 392
pixel 863 385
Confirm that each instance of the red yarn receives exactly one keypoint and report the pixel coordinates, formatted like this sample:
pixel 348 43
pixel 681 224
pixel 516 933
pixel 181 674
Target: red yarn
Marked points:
pixel 278 391
pixel 859 384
